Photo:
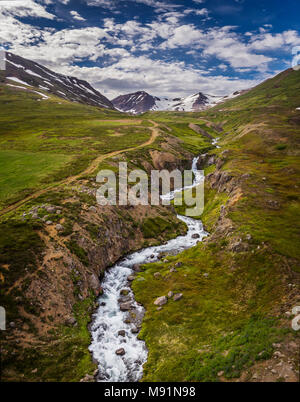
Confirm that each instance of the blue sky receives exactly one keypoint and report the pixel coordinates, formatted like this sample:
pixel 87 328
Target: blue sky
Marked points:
pixel 166 47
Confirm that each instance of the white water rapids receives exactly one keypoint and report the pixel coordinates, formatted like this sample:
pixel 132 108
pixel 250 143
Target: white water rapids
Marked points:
pixel 109 319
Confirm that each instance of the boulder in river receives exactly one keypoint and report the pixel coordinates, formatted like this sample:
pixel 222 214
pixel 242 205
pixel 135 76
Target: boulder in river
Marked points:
pixel 130 278
pixel 124 299
pixel 120 352
pixel 122 332
pixel 124 292
pixel 125 306
pixel 136 267
pixel 134 330
pixel 160 301
pixel 195 236
pixel 178 296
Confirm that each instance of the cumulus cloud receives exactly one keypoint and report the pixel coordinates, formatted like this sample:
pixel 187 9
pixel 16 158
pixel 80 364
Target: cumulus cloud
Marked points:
pixel 267 41
pixel 24 8
pixel 222 43
pixel 113 4
pixel 65 2
pixel 77 16
pixel 15 32
pixel 66 46
pixel 200 12
pixel 157 77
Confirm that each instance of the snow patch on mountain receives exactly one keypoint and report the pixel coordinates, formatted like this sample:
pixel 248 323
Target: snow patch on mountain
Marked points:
pixel 18 81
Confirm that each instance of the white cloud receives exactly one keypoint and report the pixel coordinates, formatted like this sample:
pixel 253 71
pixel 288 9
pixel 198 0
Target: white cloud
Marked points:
pixel 183 35
pixel 200 12
pixel 160 6
pixel 77 16
pixel 54 48
pixel 228 46
pixel 15 32
pixel 25 8
pixel 53 1
pixel 101 3
pixel 157 77
pixel 267 41
pixel 222 43
pixel 223 66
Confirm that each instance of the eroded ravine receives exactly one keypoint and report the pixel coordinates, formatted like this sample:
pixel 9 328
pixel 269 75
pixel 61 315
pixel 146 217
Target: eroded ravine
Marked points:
pixel 117 321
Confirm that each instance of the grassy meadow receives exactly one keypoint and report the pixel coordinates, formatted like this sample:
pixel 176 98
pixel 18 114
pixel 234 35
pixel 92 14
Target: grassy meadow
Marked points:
pixel 43 142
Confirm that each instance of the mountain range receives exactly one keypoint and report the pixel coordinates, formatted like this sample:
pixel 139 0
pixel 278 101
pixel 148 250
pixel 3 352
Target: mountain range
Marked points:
pixel 141 102
pixel 29 75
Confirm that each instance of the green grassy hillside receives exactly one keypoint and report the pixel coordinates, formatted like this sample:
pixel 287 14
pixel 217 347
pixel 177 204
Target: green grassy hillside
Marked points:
pixel 238 284
pixel 45 141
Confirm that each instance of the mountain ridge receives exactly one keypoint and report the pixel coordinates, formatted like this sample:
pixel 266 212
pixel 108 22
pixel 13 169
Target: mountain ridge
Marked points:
pixel 141 102
pixel 29 73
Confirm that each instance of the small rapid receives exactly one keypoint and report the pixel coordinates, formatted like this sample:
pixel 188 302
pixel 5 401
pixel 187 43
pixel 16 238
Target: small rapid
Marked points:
pixel 115 330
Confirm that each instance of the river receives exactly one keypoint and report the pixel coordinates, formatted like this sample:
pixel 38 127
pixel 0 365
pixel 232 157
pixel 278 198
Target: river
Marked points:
pixel 109 322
